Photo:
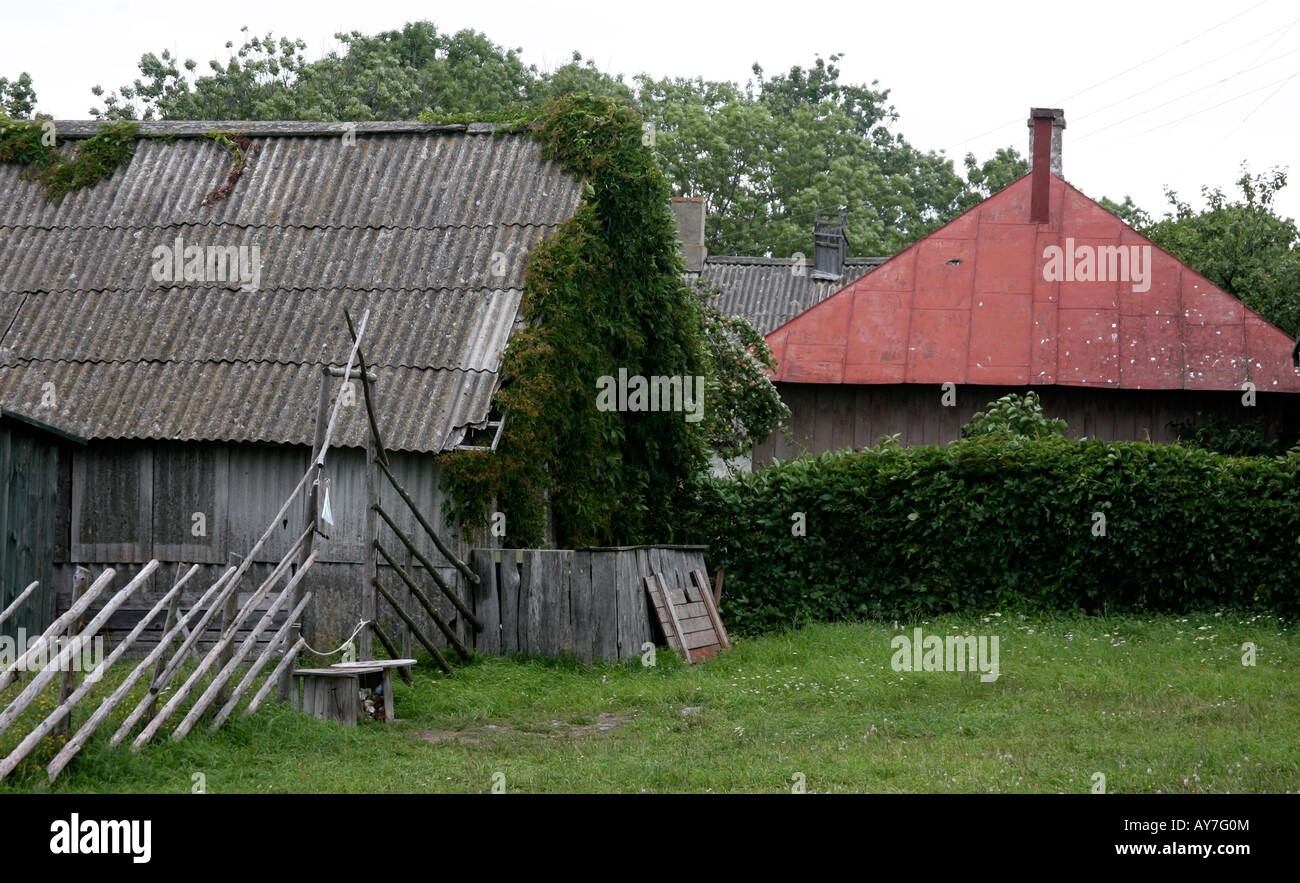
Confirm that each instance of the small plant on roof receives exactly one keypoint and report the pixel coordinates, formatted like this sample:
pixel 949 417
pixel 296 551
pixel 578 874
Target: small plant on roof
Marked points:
pixel 29 143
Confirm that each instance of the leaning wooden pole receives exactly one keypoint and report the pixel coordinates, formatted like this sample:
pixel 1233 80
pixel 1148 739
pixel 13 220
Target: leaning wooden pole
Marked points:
pixel 433 571
pixel 446 629
pixel 217 687
pixel 428 528
pixel 169 623
pixel 415 630
pixel 259 664
pixel 147 734
pixel 391 648
pixel 64 657
pixel 79 583
pixel 18 602
pixel 65 708
pixel 285 664
pixel 79 739
pixel 209 601
pixel 58 627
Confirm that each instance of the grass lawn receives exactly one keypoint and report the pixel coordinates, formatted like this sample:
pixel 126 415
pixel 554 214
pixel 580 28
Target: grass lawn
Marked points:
pixel 1156 704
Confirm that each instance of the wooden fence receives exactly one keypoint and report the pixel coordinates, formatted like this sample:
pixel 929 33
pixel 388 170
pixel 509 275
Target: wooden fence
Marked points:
pixel 590 602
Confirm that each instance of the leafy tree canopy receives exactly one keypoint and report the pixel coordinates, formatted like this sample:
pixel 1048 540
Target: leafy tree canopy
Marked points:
pixel 17 97
pixel 767 155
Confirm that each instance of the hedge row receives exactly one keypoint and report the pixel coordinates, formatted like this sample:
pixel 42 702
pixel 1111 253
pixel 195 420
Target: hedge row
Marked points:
pixel 987 523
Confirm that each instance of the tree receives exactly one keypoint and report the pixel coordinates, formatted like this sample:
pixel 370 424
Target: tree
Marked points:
pixel 769 154
pixel 394 75
pixel 1243 246
pixel 744 405
pixel 984 179
pixel 17 97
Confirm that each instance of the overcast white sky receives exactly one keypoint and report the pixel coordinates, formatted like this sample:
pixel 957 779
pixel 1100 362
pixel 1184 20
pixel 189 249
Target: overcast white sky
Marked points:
pixel 1155 93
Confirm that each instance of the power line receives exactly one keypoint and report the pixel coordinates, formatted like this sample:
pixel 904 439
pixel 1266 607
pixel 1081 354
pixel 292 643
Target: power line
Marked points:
pixel 1186 95
pixel 1283 81
pixel 1120 74
pixel 1201 66
pixel 1162 54
pixel 1265 52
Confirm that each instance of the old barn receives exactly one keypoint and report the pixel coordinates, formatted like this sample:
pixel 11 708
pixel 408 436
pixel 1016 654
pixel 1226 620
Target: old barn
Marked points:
pixel 197 398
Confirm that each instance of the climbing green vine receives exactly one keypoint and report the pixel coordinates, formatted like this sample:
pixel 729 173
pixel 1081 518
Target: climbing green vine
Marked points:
pixel 603 293
pixel 32 143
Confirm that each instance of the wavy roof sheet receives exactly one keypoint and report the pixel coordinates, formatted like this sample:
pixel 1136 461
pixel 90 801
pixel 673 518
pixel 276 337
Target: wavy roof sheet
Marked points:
pixel 771 291
pixel 428 226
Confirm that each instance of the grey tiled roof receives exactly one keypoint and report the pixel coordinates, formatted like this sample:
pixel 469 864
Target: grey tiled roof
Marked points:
pixel 771 291
pixel 428 226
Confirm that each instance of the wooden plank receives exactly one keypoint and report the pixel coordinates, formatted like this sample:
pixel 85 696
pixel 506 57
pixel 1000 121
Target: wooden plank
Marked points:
pixel 604 606
pixel 508 579
pixel 581 621
pixel 686 610
pixel 532 603
pixel 702 580
pixel 697 624
pixel 627 580
pixel 487 602
pixel 695 640
pixel 558 629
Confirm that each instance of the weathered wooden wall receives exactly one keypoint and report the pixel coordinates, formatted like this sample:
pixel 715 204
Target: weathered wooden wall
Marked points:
pixel 588 602
pixel 127 502
pixel 29 464
pixel 825 417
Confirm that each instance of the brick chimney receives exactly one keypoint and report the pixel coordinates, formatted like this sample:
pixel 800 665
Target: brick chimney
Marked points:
pixel 1046 125
pixel 689 212
pixel 830 244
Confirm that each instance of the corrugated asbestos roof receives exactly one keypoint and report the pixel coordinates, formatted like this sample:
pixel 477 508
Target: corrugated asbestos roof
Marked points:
pixel 427 226
pixel 771 291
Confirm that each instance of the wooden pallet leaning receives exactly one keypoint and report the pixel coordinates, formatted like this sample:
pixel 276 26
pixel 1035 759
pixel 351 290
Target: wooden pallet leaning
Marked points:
pixel 689 623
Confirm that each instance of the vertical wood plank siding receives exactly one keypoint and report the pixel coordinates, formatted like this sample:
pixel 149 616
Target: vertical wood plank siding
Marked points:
pixel 826 417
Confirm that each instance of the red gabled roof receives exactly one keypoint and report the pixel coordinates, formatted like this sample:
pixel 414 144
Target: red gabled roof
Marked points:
pixel 970 303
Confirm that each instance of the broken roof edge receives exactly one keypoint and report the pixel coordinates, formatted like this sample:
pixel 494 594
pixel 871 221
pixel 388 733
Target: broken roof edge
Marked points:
pixel 273 128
